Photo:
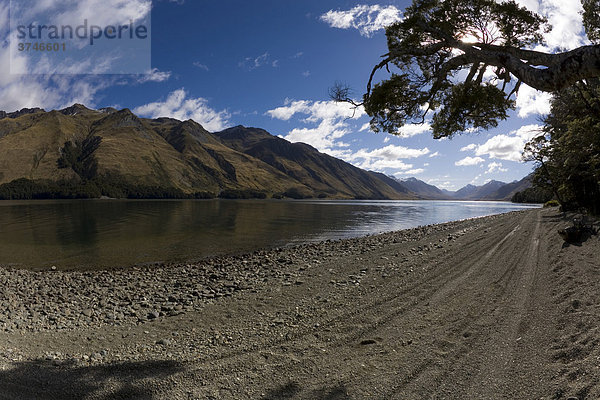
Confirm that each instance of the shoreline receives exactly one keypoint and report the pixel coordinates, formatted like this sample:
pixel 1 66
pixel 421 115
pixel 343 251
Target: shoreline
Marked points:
pixel 153 265
pixel 483 308
pixel 222 275
pixel 73 261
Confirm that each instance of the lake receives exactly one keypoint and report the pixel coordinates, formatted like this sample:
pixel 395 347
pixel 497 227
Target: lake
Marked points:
pixel 113 233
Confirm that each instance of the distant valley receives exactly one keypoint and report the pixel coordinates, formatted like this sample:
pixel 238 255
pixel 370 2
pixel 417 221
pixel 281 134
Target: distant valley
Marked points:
pixel 78 152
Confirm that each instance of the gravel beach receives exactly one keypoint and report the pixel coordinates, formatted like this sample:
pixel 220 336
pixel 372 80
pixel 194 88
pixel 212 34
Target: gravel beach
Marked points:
pixel 489 308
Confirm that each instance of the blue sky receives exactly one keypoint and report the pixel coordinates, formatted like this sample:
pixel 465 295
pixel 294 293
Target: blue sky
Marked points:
pixel 269 64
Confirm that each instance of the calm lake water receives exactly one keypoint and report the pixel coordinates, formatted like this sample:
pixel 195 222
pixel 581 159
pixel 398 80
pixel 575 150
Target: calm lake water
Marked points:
pixel 109 233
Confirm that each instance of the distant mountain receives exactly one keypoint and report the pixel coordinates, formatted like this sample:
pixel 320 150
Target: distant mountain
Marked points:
pixel 17 114
pixel 77 152
pixel 320 173
pixel 465 192
pixel 80 152
pixel 493 190
pixel 507 191
pixel 486 191
pixel 425 190
pixel 394 183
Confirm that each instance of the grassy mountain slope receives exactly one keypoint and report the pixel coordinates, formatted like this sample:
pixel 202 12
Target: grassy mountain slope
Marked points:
pixel 321 173
pixel 77 144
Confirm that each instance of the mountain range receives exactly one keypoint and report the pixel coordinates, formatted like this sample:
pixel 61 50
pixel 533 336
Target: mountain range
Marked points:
pixel 492 190
pixel 117 154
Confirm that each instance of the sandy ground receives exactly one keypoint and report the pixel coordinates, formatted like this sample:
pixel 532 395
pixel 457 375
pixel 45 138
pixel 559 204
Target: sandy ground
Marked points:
pixel 491 308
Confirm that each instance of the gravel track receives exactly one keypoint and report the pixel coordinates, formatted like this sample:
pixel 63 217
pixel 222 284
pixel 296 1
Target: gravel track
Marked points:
pixel 489 308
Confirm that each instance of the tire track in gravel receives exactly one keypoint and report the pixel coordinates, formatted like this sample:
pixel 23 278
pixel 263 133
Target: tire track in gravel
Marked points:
pixel 489 365
pixel 439 283
pixel 446 309
pixel 385 305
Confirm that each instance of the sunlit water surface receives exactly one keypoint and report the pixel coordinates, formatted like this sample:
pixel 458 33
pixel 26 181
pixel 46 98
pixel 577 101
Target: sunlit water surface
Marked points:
pixel 112 233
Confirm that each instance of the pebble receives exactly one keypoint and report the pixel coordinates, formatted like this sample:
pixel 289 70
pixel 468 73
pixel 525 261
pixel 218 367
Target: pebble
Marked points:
pixel 153 315
pixel 39 301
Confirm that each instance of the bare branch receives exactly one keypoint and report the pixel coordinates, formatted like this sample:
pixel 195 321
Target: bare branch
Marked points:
pixel 341 92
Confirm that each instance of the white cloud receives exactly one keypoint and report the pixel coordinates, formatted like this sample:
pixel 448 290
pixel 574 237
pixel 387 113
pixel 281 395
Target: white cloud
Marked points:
pixel 532 102
pixel 316 110
pixel 388 157
pixel 365 127
pixel 509 147
pixel 126 56
pixel 467 161
pixel 54 91
pixel 414 129
pixel 154 75
pixel 179 106
pixel 257 62
pixel 528 132
pixel 495 167
pixel 503 147
pixel 381 164
pixel 46 91
pixel 436 154
pixel 327 123
pixel 104 12
pixel 324 137
pixel 470 147
pixel 392 152
pixel 442 184
pixel 201 66
pixel 416 171
pixel 565 19
pixel 366 19
pixel 477 180
pixel 289 109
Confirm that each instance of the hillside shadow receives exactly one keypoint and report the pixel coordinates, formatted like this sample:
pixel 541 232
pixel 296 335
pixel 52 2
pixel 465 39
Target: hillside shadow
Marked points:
pixel 41 379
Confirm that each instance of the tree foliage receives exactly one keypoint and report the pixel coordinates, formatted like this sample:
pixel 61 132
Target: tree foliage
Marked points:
pixel 102 185
pixel 568 153
pixel 462 62
pixel 532 195
pixel 465 60
pixel 591 22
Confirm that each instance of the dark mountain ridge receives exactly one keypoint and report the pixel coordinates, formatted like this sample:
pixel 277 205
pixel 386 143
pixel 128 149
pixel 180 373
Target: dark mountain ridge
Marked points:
pixel 118 154
pixel 115 153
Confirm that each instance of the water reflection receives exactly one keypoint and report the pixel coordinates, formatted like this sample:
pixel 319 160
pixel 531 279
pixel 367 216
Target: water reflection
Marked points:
pixel 91 234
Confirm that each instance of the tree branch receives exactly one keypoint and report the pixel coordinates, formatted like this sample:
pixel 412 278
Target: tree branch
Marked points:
pixel 382 64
